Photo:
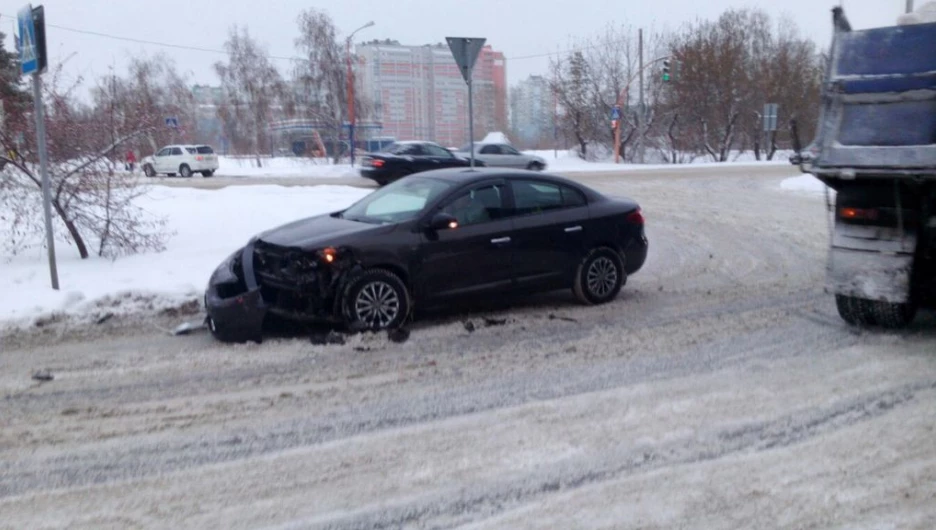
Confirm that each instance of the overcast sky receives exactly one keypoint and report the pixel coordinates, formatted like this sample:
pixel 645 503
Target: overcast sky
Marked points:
pixel 518 28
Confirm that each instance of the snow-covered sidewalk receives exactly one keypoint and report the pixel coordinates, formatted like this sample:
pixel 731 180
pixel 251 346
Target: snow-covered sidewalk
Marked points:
pixel 208 226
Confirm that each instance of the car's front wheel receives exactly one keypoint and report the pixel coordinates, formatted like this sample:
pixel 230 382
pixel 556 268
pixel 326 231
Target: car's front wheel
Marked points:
pixel 149 171
pixel 599 276
pixel 185 171
pixel 375 299
pixel 535 166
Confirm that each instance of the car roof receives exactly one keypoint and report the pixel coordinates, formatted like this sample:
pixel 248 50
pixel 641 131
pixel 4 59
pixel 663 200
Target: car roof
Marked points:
pixel 468 175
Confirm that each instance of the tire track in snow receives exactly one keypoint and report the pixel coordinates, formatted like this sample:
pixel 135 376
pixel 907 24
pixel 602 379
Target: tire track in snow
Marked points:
pixel 448 509
pixel 96 465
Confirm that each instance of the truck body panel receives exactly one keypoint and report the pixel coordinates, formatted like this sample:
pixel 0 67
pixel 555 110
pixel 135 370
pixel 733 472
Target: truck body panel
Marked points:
pixel 875 145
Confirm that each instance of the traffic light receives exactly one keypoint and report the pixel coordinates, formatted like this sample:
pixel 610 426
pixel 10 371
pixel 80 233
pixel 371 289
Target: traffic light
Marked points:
pixel 666 70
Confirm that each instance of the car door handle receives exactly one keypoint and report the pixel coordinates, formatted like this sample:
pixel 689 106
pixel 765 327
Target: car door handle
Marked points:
pixel 500 240
pixel 571 229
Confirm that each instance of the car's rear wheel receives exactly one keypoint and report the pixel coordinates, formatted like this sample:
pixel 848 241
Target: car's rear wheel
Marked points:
pixel 149 171
pixel 185 171
pixel 599 276
pixel 207 174
pixel 375 299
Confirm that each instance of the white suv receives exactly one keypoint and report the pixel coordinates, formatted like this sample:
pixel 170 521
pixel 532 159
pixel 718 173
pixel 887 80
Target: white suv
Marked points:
pixel 182 159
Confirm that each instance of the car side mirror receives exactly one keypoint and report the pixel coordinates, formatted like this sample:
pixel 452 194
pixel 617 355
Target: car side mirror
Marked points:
pixel 443 221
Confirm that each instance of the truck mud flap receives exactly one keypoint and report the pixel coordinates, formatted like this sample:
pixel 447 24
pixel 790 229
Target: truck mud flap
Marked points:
pixel 884 277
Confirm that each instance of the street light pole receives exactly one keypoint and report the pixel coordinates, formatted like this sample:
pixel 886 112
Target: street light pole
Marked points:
pixel 351 117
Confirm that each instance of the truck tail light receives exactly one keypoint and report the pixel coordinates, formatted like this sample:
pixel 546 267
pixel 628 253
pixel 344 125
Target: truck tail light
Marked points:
pixel 859 214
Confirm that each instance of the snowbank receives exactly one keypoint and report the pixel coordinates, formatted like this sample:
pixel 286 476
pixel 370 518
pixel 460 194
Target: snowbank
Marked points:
pixel 495 138
pixel 283 167
pixel 567 160
pixel 804 183
pixel 208 226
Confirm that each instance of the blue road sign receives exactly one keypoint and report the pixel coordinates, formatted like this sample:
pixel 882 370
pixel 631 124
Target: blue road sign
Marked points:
pixel 615 113
pixel 172 122
pixel 28 48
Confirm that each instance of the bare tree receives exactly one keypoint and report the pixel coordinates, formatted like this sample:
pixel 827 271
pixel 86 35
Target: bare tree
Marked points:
pixel 728 69
pixel 96 205
pixel 321 75
pixel 573 84
pixel 151 91
pixel 252 89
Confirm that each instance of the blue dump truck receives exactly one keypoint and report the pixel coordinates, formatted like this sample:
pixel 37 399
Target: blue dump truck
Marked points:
pixel 875 146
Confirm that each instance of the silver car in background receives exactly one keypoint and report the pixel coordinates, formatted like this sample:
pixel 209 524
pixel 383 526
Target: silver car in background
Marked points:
pixel 503 155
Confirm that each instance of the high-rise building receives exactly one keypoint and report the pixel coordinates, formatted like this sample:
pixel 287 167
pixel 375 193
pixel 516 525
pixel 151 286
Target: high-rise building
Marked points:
pixel 418 92
pixel 531 111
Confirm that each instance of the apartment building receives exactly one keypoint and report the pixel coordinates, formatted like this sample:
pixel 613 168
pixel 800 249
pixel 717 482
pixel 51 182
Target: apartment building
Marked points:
pixel 418 92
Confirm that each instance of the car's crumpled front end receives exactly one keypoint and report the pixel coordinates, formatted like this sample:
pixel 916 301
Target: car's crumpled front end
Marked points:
pixel 264 278
pixel 236 309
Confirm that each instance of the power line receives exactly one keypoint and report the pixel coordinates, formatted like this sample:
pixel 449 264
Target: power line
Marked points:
pixel 154 43
pixel 223 52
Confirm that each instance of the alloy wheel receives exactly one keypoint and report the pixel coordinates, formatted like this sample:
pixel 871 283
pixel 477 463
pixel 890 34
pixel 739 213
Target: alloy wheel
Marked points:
pixel 377 304
pixel 601 277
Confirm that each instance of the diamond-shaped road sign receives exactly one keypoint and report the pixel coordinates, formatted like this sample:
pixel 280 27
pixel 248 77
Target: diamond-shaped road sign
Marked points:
pixel 465 51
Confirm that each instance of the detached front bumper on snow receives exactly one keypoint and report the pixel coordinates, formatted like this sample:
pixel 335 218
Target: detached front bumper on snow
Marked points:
pixel 235 306
pixel 264 279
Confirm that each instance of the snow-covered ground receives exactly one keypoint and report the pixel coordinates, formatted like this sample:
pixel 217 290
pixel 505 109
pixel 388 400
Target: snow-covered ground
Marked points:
pixel 283 167
pixel 804 183
pixel 208 226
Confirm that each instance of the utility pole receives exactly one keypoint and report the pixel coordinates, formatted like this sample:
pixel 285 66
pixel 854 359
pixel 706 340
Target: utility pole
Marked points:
pixel 909 6
pixel 640 109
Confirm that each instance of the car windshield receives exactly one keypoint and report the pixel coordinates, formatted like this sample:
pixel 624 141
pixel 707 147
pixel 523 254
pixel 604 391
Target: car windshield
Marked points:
pixel 401 201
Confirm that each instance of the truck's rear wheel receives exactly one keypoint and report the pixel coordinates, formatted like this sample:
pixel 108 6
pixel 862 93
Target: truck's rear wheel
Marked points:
pixel 862 312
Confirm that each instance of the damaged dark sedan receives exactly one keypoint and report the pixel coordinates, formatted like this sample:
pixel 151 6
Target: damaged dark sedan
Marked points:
pixel 426 239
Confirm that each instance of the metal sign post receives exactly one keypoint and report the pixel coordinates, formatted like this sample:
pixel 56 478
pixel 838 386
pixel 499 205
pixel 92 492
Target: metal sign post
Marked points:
pixel 465 51
pixel 33 60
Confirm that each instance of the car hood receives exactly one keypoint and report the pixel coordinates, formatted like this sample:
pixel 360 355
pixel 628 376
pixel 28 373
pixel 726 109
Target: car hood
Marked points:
pixel 320 231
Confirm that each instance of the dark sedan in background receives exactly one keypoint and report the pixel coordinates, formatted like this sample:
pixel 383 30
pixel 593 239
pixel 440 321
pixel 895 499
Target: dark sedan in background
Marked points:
pixel 430 238
pixel 400 159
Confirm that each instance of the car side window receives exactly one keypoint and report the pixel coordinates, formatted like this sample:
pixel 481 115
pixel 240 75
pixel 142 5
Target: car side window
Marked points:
pixel 191 150
pixel 164 152
pixel 176 151
pixel 478 205
pixel 490 150
pixel 435 150
pixel 533 197
pixel 507 150
pixel 415 149
pixel 572 197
